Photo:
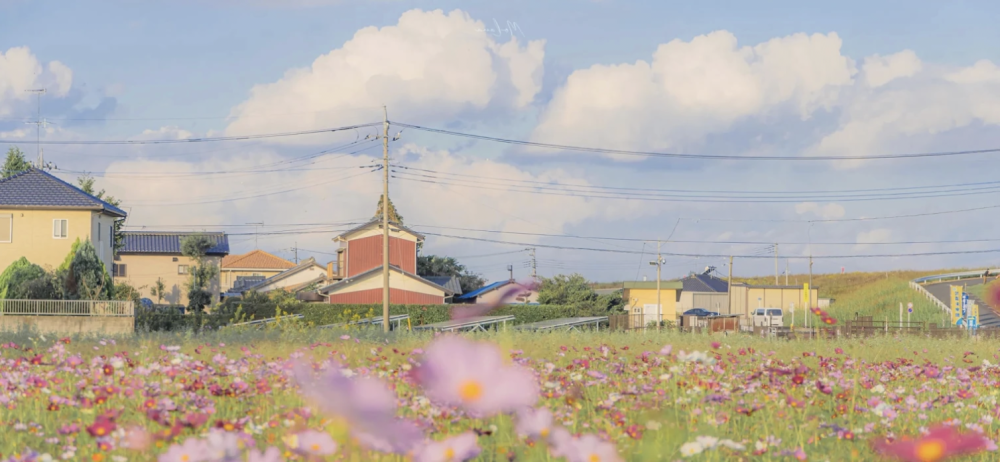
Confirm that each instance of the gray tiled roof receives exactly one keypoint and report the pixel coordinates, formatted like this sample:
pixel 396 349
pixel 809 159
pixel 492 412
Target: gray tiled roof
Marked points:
pixel 448 282
pixel 35 188
pixel 168 242
pixel 704 283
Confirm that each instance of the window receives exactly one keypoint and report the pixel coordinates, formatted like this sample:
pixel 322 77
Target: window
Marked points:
pixel 60 228
pixel 175 259
pixel 6 228
pixel 774 312
pixel 182 269
pixel 121 270
pixel 760 313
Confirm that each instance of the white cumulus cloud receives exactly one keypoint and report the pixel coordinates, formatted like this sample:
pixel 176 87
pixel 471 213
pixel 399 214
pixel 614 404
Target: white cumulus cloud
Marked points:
pixel 692 89
pixel 20 71
pixel 430 65
pixel 826 212
pixel 880 70
pixel 874 236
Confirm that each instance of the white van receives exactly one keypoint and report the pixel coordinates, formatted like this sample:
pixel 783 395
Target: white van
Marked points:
pixel 768 317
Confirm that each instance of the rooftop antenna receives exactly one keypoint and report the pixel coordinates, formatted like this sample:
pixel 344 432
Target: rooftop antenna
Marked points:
pixel 38 125
pixel 255 225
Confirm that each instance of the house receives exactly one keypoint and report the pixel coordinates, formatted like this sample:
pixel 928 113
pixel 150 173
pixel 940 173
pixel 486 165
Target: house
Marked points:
pixel 640 299
pixel 491 293
pixel 255 263
pixel 298 277
pixel 448 282
pixel 42 216
pixel 702 290
pixel 746 298
pixel 151 256
pixel 359 268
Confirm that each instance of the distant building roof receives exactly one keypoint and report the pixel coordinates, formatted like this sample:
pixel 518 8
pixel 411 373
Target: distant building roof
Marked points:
pixel 483 290
pixel 347 281
pixel 306 264
pixel 378 222
pixel 138 242
pixel 257 259
pixel 34 188
pixel 704 283
pixel 664 285
pixel 448 282
pixel 766 286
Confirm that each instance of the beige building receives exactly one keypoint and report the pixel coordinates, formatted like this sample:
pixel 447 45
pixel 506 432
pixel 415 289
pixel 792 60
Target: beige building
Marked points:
pixel 255 263
pixel 41 216
pixel 702 290
pixel 640 298
pixel 293 279
pixel 746 298
pixel 151 256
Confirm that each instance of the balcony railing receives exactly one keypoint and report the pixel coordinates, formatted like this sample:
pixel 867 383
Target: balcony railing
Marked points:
pixel 66 308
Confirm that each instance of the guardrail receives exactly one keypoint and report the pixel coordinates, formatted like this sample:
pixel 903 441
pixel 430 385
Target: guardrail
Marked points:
pixel 67 308
pixel 955 276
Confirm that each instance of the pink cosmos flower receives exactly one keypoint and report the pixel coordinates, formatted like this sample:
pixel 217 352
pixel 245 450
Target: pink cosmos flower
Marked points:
pixel 455 449
pixel 192 450
pixel 138 439
pixel 665 351
pixel 460 372
pixel 223 446
pixel 312 443
pixel 534 423
pixel 586 448
pixel 272 454
pixel 938 444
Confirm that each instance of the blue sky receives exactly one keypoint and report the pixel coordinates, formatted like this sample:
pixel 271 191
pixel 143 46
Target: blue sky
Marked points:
pixel 178 69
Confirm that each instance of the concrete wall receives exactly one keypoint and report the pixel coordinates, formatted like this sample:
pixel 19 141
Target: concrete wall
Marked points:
pixel 142 272
pixel 103 325
pixel 32 236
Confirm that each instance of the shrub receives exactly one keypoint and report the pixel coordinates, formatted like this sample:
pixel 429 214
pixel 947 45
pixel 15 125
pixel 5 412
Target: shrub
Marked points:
pixel 322 314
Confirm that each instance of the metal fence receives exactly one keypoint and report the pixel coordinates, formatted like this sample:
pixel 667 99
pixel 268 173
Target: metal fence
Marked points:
pixel 66 308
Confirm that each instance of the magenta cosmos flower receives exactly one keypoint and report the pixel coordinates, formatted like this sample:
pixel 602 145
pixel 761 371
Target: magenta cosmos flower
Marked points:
pixel 940 443
pixel 455 449
pixel 472 375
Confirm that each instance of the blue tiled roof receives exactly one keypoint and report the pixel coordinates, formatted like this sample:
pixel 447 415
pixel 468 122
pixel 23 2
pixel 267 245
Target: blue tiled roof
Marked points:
pixel 482 290
pixel 38 188
pixel 168 243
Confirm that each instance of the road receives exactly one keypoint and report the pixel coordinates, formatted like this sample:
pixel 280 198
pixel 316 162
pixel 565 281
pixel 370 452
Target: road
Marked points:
pixel 987 316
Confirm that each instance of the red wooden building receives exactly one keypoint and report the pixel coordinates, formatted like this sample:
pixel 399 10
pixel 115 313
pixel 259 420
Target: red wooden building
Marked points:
pixel 359 265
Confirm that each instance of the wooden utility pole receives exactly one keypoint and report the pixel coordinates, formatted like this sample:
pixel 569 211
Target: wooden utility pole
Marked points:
pixel 730 288
pixel 786 272
pixel 385 220
pixel 659 305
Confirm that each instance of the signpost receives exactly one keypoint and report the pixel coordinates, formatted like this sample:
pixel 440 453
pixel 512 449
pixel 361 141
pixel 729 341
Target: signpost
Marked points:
pixel 805 302
pixel 956 304
pixel 909 311
pixel 965 309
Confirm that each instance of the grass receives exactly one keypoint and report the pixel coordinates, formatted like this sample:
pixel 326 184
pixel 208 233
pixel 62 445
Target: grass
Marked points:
pixel 648 405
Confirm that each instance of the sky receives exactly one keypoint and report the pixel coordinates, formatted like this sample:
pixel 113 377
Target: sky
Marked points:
pixel 723 82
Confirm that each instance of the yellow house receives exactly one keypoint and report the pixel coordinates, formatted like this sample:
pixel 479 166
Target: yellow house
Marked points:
pixel 255 263
pixel 151 256
pixel 640 299
pixel 42 216
pixel 746 298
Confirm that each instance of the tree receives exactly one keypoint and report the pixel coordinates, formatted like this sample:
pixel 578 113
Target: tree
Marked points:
pixel 15 163
pixel 82 276
pixel 86 183
pixel 202 274
pixel 394 216
pixel 565 290
pixel 432 265
pixel 158 290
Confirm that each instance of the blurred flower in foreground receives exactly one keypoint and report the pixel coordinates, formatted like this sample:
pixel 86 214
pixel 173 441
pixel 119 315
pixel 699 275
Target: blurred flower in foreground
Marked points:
pixel 471 311
pixel 311 443
pixel 534 423
pixel 460 372
pixel 938 444
pixel 586 448
pixel 455 449
pixel 272 454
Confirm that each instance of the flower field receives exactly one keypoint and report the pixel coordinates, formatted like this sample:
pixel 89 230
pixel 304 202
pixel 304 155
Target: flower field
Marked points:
pixel 299 394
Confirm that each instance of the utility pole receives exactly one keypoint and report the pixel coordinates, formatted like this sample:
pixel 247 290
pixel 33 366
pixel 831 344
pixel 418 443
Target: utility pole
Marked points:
pixel 385 220
pixel 730 285
pixel 255 225
pixel 534 264
pixel 810 277
pixel 786 272
pixel 775 264
pixel 510 269
pixel 38 126
pixel 296 249
pixel 659 265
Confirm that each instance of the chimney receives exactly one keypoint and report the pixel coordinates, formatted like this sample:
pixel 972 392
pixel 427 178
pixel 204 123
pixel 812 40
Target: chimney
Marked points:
pixel 329 271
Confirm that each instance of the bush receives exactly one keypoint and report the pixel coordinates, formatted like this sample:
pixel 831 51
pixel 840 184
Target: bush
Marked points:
pixel 322 314
pixel 262 306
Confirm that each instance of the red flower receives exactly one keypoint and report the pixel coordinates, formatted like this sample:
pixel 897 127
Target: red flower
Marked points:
pixel 108 369
pixel 940 443
pixel 101 427
pixel 798 379
pixel 634 432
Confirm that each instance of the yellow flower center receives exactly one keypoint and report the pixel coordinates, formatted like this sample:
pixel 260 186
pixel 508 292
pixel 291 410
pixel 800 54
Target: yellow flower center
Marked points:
pixel 594 458
pixel 449 454
pixel 185 458
pixel 470 390
pixel 930 451
pixel 314 447
pixel 544 433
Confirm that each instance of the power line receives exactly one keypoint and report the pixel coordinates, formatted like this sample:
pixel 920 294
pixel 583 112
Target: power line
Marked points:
pixel 564 147
pixel 203 140
pixel 696 255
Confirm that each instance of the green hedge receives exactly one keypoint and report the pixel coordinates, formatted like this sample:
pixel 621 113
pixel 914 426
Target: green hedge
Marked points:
pixel 322 314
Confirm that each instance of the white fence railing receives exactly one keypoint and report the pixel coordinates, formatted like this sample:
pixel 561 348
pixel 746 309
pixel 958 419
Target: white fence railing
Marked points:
pixel 66 308
pixel 922 291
